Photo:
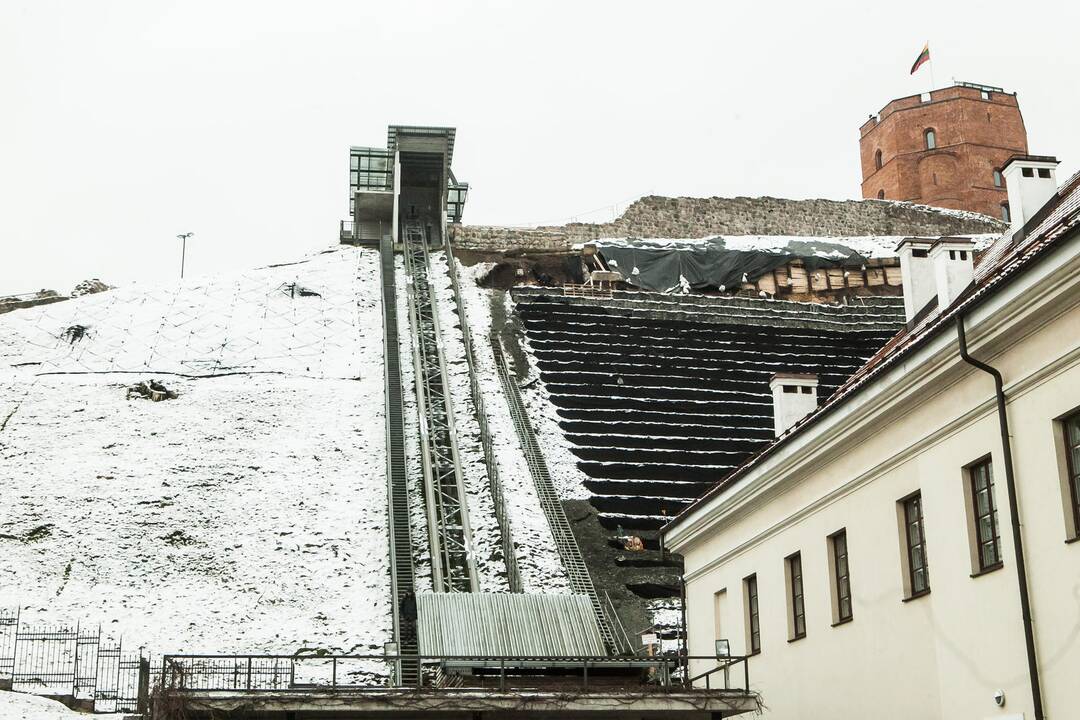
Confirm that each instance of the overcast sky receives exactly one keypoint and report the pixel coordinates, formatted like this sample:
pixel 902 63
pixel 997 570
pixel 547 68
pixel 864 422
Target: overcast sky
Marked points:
pixel 125 123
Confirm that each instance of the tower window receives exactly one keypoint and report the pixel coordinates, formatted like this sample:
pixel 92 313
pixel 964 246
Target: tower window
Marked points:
pixel 1005 214
pixel 997 178
pixel 1044 173
pixel 877 160
pixel 1027 172
pixel 984 94
pixel 931 138
pixel 880 194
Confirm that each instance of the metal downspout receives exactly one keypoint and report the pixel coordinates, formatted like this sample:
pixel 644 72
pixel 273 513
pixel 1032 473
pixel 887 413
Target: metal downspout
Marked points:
pixel 1014 515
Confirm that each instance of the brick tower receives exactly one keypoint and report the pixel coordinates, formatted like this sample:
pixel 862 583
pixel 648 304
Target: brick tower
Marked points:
pixel 944 148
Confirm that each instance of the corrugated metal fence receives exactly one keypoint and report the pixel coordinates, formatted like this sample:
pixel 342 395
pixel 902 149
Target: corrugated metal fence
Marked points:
pixel 508 624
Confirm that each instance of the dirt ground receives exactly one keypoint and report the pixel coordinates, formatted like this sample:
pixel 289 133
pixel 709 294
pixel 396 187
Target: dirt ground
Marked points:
pixel 517 267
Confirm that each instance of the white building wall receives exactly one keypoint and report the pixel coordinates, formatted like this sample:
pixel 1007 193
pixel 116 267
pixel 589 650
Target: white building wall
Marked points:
pixel 942 655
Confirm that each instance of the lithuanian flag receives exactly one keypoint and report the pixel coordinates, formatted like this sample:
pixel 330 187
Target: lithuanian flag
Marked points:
pixel 924 56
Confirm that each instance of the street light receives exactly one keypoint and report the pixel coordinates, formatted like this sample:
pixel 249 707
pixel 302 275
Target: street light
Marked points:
pixel 183 250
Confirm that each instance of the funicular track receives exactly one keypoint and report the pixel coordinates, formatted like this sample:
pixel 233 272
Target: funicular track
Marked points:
pixel 569 552
pixel 453 566
pixel 401 564
pixel 513 572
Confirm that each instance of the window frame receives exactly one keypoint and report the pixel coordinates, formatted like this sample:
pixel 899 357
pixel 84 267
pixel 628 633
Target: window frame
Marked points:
pixel 930 139
pixel 1070 474
pixel 978 564
pixel 911 591
pixel 796 592
pixel 719 598
pixel 1006 212
pixel 839 577
pixel 997 178
pixel 752 614
pixel 878 159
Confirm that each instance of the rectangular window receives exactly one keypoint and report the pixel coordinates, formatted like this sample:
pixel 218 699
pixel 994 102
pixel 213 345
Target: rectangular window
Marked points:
pixel 987 538
pixel 795 588
pixel 841 577
pixel 753 624
pixel 918 572
pixel 1071 427
pixel 718 613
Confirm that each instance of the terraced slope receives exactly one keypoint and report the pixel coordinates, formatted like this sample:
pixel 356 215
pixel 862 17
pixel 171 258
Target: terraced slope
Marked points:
pixel 662 396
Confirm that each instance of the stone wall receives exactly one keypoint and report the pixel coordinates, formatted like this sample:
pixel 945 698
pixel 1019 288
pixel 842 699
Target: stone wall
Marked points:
pixel 685 217
pixel 44 297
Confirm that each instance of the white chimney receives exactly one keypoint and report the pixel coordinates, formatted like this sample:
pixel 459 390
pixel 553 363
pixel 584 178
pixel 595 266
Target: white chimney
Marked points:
pixel 1031 181
pixel 917 273
pixel 794 397
pixel 953 259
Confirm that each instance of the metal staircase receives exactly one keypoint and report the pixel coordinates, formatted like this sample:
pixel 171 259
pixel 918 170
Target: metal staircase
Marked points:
pixel 401 564
pixel 569 552
pixel 453 564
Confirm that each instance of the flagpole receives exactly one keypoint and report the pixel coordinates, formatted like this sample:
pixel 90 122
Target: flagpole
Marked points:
pixel 933 84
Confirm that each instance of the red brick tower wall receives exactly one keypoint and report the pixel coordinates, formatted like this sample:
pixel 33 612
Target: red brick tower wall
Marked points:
pixel 976 132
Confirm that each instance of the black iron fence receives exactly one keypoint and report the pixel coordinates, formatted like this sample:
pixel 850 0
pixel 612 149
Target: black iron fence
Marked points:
pixel 73 662
pixel 9 625
pixel 375 673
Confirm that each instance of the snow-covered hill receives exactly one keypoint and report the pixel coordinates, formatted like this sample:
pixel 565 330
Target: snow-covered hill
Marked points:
pixel 246 515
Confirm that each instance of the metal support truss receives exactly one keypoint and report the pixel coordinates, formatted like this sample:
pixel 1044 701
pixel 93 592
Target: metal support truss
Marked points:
pixel 453 565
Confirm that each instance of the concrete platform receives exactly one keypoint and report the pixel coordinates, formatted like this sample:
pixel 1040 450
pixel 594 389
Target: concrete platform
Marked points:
pixel 472 704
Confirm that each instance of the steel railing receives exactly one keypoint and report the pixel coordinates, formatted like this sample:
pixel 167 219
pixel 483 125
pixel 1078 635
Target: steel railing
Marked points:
pixel 452 673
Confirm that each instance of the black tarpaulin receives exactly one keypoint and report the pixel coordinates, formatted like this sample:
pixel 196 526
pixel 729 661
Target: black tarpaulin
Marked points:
pixel 708 264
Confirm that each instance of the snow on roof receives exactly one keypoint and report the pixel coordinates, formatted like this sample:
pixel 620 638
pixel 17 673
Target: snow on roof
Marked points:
pixel 870 246
pixel 1009 257
pixel 246 515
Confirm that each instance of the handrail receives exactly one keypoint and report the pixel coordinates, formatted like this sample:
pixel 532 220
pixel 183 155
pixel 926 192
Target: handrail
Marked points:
pixel 268 673
pixel 725 667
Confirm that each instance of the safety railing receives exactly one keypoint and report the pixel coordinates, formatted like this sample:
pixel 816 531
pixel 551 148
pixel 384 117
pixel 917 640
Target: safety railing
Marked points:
pixel 452 673
pixel 494 483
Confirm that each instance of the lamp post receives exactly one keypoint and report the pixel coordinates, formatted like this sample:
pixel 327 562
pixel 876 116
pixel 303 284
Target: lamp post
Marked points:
pixel 183 250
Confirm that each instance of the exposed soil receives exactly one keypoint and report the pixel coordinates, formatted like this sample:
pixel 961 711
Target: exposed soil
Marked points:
pixel 518 267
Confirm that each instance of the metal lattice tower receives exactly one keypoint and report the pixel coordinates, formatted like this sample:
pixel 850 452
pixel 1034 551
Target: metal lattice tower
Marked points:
pixel 453 564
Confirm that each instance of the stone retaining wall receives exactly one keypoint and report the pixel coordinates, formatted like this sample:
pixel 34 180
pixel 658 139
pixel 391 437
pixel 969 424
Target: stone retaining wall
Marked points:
pixel 685 217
